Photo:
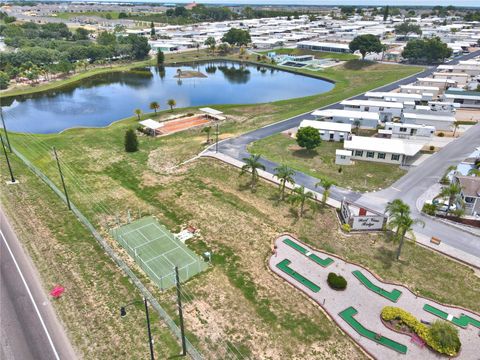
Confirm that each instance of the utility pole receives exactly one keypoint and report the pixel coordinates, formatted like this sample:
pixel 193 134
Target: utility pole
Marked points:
pixel 150 341
pixel 180 312
pixel 61 177
pixel 5 129
pixel 13 181
pixel 216 141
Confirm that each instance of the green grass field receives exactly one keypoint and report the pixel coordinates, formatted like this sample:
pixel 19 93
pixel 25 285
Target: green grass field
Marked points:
pixel 362 176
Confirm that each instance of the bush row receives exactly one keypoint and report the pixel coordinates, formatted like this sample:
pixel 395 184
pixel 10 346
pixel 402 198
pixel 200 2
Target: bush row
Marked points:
pixel 450 348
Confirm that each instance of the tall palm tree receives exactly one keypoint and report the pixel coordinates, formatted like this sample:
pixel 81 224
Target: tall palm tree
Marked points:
pixel 406 224
pixel 452 193
pixel 154 106
pixel 455 126
pixel 138 112
pixel 397 210
pixel 284 174
pixel 252 164
pixel 172 103
pixel 207 130
pixel 300 196
pixel 326 184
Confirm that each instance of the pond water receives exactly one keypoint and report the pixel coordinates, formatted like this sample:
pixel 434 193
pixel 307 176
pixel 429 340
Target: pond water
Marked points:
pixel 103 99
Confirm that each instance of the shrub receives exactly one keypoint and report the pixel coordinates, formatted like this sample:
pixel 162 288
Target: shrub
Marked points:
pixel 429 209
pixel 445 335
pixel 432 148
pixel 436 337
pixel 346 228
pixel 336 282
pixel 441 134
pixel 340 169
pixel 131 141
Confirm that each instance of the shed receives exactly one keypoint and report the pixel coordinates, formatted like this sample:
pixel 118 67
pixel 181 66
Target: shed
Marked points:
pixel 151 126
pixel 212 113
pixel 343 157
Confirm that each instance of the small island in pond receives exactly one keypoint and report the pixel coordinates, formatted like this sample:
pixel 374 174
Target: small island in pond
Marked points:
pixel 187 74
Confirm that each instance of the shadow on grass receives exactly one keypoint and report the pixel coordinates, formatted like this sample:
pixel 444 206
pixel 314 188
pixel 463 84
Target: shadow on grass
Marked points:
pixel 304 153
pixel 386 257
pixel 358 64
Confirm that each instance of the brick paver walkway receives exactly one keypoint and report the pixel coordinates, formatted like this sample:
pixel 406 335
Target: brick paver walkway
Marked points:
pixel 368 303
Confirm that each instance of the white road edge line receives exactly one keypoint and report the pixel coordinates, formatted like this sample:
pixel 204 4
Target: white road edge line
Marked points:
pixel 31 297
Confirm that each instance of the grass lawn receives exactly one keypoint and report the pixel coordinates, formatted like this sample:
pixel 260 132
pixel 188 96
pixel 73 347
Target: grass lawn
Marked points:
pixel 363 176
pixel 317 54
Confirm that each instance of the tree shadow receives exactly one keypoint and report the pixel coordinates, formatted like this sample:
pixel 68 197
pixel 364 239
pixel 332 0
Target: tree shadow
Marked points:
pixel 357 64
pixel 386 257
pixel 304 153
pixel 294 213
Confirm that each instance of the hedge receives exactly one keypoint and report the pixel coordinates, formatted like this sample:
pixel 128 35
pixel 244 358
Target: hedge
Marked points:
pixel 390 313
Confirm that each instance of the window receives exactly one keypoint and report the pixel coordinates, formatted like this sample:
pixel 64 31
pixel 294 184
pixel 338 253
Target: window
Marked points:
pixel 381 155
pixel 403 129
pixel 395 157
pixel 469 200
pixel 367 108
pixel 381 108
pixel 343 157
pixel 370 154
pixel 358 153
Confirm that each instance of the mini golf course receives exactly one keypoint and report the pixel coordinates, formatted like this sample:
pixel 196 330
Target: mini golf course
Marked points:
pixel 284 266
pixel 322 262
pixel 462 321
pixel 348 315
pixel 390 295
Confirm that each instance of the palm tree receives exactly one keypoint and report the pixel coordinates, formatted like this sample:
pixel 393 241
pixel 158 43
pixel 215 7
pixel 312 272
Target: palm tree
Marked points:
pixel 452 193
pixel 154 106
pixel 252 164
pixel 172 103
pixel 284 174
pixel 455 126
pixel 326 184
pixel 356 124
pixel 405 224
pixel 207 130
pixel 138 112
pixel 300 196
pixel 397 210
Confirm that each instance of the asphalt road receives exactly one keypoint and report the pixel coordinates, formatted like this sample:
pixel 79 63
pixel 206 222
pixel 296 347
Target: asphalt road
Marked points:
pixel 29 328
pixel 408 188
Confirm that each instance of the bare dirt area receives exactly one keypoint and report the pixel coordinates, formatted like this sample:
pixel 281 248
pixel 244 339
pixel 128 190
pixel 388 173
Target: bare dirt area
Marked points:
pixel 472 115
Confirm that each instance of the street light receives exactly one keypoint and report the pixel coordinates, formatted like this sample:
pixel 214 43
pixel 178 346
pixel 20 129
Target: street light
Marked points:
pixel 123 313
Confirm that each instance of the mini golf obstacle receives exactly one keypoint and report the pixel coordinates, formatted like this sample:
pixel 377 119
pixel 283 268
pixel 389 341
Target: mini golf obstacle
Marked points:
pixel 462 321
pixel 348 316
pixel 322 262
pixel 284 266
pixel 157 251
pixel 390 295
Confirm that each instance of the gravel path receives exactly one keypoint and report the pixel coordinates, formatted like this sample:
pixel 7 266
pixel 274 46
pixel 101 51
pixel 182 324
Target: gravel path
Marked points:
pixel 368 304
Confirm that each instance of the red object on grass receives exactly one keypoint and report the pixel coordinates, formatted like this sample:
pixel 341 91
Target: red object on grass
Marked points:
pixel 57 291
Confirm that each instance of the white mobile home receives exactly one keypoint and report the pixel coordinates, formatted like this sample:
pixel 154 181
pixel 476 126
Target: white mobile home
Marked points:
pixel 329 131
pixel 392 151
pixel 386 109
pixel 442 84
pixel 439 121
pixel 460 78
pixel 465 99
pixel 401 130
pixel 432 91
pixel 366 120
pixel 394 96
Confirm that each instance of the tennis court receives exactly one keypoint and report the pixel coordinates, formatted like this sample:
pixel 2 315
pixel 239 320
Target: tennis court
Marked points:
pixel 157 251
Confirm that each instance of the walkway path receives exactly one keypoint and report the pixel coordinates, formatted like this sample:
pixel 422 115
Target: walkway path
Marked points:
pixel 366 302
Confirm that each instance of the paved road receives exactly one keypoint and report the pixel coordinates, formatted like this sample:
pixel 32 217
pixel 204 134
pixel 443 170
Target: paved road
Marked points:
pixel 29 328
pixel 410 187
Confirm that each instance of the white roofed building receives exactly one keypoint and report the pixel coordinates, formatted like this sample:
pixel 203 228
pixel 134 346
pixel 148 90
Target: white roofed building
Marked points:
pixel 329 131
pixel 366 120
pixel 387 110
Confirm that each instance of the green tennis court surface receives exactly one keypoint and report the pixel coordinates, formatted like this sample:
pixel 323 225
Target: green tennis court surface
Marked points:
pixel 461 321
pixel 283 265
pixel 390 295
pixel 307 253
pixel 157 251
pixel 348 315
